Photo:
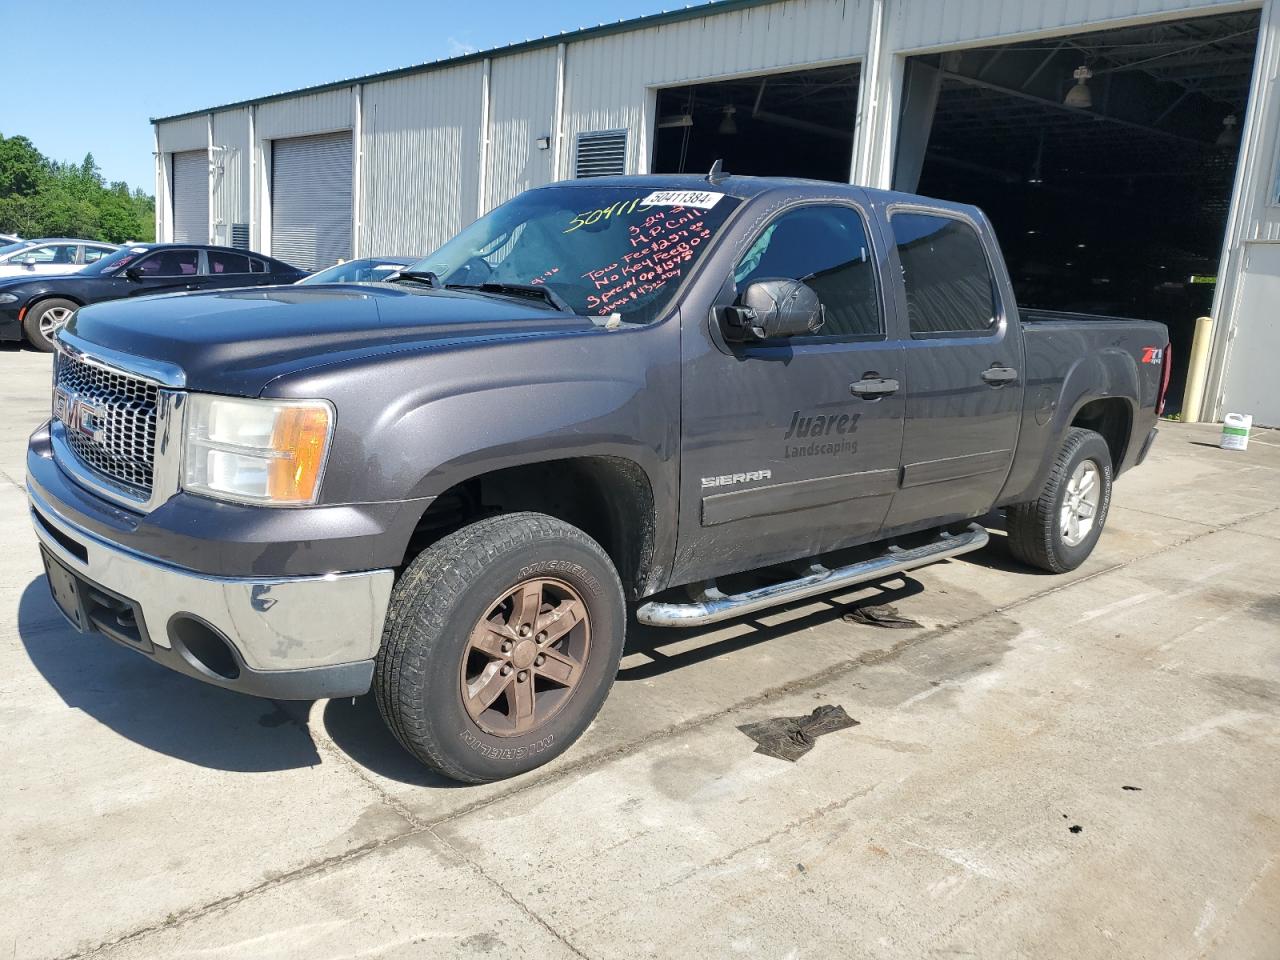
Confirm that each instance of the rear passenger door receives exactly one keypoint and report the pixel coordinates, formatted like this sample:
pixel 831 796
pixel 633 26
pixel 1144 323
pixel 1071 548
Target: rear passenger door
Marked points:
pixel 781 456
pixel 227 269
pixel 963 377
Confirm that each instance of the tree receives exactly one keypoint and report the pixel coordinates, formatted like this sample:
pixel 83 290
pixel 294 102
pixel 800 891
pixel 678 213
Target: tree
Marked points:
pixel 43 197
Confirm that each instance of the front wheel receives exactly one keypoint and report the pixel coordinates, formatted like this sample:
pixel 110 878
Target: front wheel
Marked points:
pixel 501 643
pixel 1058 531
pixel 44 320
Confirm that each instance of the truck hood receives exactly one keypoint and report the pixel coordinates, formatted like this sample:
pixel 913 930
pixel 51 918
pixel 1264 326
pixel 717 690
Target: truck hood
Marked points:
pixel 237 341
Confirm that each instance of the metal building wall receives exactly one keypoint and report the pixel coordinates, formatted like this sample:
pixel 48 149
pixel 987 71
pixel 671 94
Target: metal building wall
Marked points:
pixel 189 133
pixel 607 78
pixel 303 115
pixel 421 154
pixel 932 23
pixel 522 108
pixel 230 177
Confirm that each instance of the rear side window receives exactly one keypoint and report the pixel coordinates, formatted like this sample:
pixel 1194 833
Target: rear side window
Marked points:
pixel 220 262
pixel 827 248
pixel 258 266
pixel 946 275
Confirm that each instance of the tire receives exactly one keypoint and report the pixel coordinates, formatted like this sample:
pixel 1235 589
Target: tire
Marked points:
pixel 449 628
pixel 1040 532
pixel 44 318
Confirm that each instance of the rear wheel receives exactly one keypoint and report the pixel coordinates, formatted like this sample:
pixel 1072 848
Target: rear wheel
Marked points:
pixel 501 644
pixel 44 320
pixel 1058 531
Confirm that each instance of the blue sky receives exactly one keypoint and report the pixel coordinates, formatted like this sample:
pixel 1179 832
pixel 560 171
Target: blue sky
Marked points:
pixel 96 72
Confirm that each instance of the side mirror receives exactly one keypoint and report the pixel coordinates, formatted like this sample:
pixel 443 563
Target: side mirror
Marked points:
pixel 767 309
pixel 133 273
pixel 29 262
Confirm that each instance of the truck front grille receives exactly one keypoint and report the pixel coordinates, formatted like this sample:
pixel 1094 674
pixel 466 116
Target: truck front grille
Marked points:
pixel 110 421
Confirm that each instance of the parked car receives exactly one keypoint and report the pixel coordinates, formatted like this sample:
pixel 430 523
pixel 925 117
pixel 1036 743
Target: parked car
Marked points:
pixel 622 389
pixel 35 307
pixel 8 238
pixel 364 270
pixel 51 255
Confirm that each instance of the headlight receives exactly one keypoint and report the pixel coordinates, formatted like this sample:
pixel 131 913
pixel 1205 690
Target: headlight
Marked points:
pixel 256 451
pixel 8 298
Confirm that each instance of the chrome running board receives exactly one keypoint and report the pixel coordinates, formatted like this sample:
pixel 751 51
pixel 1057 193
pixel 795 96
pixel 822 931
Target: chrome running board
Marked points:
pixel 713 606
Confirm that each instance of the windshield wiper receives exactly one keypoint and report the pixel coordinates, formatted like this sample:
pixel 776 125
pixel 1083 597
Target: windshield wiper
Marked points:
pixel 525 291
pixel 422 276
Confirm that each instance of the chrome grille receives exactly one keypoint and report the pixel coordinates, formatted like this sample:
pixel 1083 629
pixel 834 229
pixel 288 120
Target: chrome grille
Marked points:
pixel 122 445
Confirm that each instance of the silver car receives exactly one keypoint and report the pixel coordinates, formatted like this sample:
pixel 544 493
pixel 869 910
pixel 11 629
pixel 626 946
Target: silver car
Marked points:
pixel 51 255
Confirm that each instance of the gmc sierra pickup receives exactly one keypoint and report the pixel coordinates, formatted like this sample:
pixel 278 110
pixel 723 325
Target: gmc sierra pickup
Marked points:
pixel 449 486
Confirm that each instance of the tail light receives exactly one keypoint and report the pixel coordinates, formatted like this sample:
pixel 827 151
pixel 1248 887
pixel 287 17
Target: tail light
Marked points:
pixel 1166 368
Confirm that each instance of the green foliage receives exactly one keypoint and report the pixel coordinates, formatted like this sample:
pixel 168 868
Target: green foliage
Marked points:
pixel 40 197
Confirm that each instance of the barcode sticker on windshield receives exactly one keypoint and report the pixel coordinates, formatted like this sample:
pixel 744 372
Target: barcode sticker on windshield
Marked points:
pixel 702 199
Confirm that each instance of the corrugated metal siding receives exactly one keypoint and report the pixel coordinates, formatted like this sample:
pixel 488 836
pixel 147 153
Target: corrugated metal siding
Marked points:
pixel 606 77
pixel 178 135
pixel 522 104
pixel 932 23
pixel 231 178
pixel 421 159
pixel 315 113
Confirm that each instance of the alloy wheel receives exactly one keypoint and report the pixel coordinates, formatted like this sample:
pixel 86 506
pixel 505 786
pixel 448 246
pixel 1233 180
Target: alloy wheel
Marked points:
pixel 525 656
pixel 1080 504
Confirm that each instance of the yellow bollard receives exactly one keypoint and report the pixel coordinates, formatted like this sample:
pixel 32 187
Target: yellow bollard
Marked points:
pixel 1197 370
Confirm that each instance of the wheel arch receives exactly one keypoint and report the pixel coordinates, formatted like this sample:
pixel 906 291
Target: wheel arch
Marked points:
pixel 610 498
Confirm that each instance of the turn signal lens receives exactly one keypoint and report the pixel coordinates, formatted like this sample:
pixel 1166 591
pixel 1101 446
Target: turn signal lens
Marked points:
pixel 257 451
pixel 302 433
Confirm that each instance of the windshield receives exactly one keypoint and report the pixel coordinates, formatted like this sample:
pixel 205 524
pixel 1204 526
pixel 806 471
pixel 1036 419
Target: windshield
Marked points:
pixel 603 250
pixel 10 247
pixel 357 271
pixel 114 262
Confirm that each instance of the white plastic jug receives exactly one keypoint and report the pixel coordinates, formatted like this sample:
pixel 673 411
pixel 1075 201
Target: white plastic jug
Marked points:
pixel 1235 431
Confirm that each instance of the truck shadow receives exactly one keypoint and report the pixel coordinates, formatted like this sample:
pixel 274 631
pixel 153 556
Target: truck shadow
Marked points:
pixel 155 707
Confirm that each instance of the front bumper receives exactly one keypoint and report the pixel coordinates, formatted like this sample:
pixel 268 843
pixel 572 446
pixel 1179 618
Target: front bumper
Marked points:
pixel 289 638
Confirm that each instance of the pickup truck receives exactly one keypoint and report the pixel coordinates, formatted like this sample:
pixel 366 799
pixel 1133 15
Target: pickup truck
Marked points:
pixel 605 399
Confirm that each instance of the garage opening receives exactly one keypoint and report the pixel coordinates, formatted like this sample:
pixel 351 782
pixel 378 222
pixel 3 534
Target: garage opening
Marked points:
pixel 1105 161
pixel 311 200
pixel 190 192
pixel 796 124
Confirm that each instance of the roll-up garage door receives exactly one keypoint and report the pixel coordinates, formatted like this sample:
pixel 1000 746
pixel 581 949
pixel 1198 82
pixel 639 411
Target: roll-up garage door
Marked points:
pixel 311 200
pixel 191 197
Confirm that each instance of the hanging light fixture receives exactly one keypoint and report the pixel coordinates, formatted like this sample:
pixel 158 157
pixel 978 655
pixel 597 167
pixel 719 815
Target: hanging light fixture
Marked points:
pixel 1228 137
pixel 1080 95
pixel 729 126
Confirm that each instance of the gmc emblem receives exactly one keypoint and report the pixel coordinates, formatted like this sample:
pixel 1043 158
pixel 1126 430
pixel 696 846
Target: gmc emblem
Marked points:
pixel 80 415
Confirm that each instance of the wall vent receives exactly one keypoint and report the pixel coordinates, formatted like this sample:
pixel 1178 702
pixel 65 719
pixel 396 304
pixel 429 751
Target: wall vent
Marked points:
pixel 602 153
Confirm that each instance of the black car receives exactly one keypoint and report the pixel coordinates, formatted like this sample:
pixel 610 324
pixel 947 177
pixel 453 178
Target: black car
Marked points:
pixel 34 307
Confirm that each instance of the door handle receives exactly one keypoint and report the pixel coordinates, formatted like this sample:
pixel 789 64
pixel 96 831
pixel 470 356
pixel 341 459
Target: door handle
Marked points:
pixel 873 388
pixel 998 376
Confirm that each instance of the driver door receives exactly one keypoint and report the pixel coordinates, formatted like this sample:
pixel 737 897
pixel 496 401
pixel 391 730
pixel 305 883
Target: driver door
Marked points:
pixel 166 271
pixel 791 447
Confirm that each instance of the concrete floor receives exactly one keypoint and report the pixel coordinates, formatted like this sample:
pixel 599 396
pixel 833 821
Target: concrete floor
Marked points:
pixel 1138 700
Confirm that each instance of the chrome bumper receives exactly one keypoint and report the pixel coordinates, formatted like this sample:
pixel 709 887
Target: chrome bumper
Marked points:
pixel 293 637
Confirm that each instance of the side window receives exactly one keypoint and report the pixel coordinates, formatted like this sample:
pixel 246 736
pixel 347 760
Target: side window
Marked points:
pixel 945 271
pixel 258 266
pixel 170 263
pixel 55 253
pixel 93 254
pixel 220 262
pixel 827 248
